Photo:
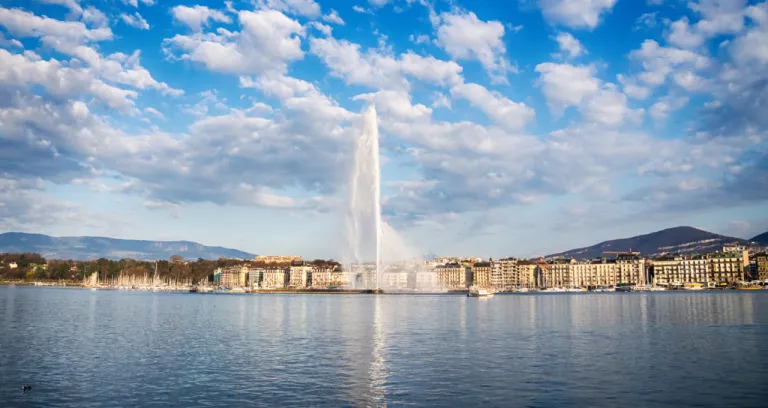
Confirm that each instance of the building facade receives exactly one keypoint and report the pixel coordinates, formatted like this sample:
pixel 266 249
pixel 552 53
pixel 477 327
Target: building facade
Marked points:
pixel 451 276
pixel 726 267
pixel 481 275
pixel 274 278
pixel 231 276
pixel 299 275
pixel 631 269
pixel 761 260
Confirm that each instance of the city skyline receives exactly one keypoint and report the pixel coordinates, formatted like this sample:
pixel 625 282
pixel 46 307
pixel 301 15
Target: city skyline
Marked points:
pixel 533 126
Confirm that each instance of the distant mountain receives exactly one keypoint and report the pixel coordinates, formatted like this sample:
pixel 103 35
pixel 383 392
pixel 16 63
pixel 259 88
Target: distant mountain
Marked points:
pixel 671 240
pixel 87 248
pixel 761 239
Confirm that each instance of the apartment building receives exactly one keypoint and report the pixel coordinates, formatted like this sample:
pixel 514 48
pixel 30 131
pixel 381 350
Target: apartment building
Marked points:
pixel 452 276
pixel 299 275
pixel 481 274
pixel 726 267
pixel 761 260
pixel 274 278
pixel 631 269
pixel 527 272
pixel 231 276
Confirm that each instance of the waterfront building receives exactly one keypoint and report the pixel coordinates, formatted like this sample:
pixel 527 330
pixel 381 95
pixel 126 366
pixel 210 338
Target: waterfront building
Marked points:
pixel 667 271
pixel 631 269
pixel 677 270
pixel 595 273
pixel 761 260
pixel 231 276
pixel 527 274
pixel 481 274
pixel 558 273
pixel 299 275
pixel 726 267
pixel 506 274
pixel 452 276
pixel 324 277
pixel 274 278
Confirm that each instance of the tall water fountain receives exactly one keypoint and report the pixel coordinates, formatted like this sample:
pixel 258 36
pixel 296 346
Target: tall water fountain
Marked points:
pixel 372 244
pixel 364 215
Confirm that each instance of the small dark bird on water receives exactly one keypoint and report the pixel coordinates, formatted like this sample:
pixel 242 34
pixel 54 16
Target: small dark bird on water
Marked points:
pixel 25 388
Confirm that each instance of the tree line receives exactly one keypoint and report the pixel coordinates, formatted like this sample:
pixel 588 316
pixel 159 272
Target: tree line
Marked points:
pixel 32 266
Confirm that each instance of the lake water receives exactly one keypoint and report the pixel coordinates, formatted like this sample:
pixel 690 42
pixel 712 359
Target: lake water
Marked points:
pixel 80 348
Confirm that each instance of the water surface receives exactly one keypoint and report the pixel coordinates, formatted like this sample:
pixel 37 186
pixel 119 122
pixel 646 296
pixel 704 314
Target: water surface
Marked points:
pixel 80 348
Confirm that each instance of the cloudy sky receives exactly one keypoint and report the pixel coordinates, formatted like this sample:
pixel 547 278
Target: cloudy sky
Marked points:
pixel 507 127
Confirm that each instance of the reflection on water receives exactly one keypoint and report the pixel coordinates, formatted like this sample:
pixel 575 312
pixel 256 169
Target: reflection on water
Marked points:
pixel 81 348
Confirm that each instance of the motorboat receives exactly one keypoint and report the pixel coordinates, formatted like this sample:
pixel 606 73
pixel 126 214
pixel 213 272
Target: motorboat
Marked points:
pixel 479 292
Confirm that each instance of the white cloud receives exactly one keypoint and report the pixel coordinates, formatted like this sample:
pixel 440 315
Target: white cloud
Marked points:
pixel 24 24
pixel 659 62
pixel 608 108
pixel 4 42
pixel 419 39
pixel 570 47
pixel 21 71
pixel 646 21
pixel 333 17
pixel 379 70
pixel 565 84
pixel 198 17
pixel 660 110
pixel 632 89
pixel 306 8
pixel 135 20
pixel 323 28
pixel 575 13
pixel 154 112
pixel 396 105
pixel 361 10
pixel 508 114
pixel 268 41
pixel 465 37
pixel 717 17
pixel 752 47
pixel 94 17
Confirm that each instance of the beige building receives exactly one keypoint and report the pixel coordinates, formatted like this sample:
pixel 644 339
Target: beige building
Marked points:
pixel 761 260
pixel 527 271
pixel 631 269
pixel 505 274
pixel 667 271
pixel 231 277
pixel 274 278
pixel 596 273
pixel 451 276
pixel 299 275
pixel 481 274
pixel 693 268
pixel 558 273
pixel 725 267
pixel 325 277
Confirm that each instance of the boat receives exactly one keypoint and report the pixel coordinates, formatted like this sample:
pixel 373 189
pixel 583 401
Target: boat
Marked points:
pixel 658 289
pixel 576 290
pixel 193 289
pixel 693 286
pixel 479 292
pixel 749 287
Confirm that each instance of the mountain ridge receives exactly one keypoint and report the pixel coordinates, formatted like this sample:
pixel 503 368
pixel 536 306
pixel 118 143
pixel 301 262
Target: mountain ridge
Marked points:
pixel 760 239
pixel 94 247
pixel 682 239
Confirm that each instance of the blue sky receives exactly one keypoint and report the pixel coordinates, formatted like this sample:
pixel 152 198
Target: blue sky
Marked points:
pixel 508 128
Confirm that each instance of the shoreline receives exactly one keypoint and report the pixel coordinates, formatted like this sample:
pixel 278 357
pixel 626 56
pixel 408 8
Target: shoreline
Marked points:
pixel 319 291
